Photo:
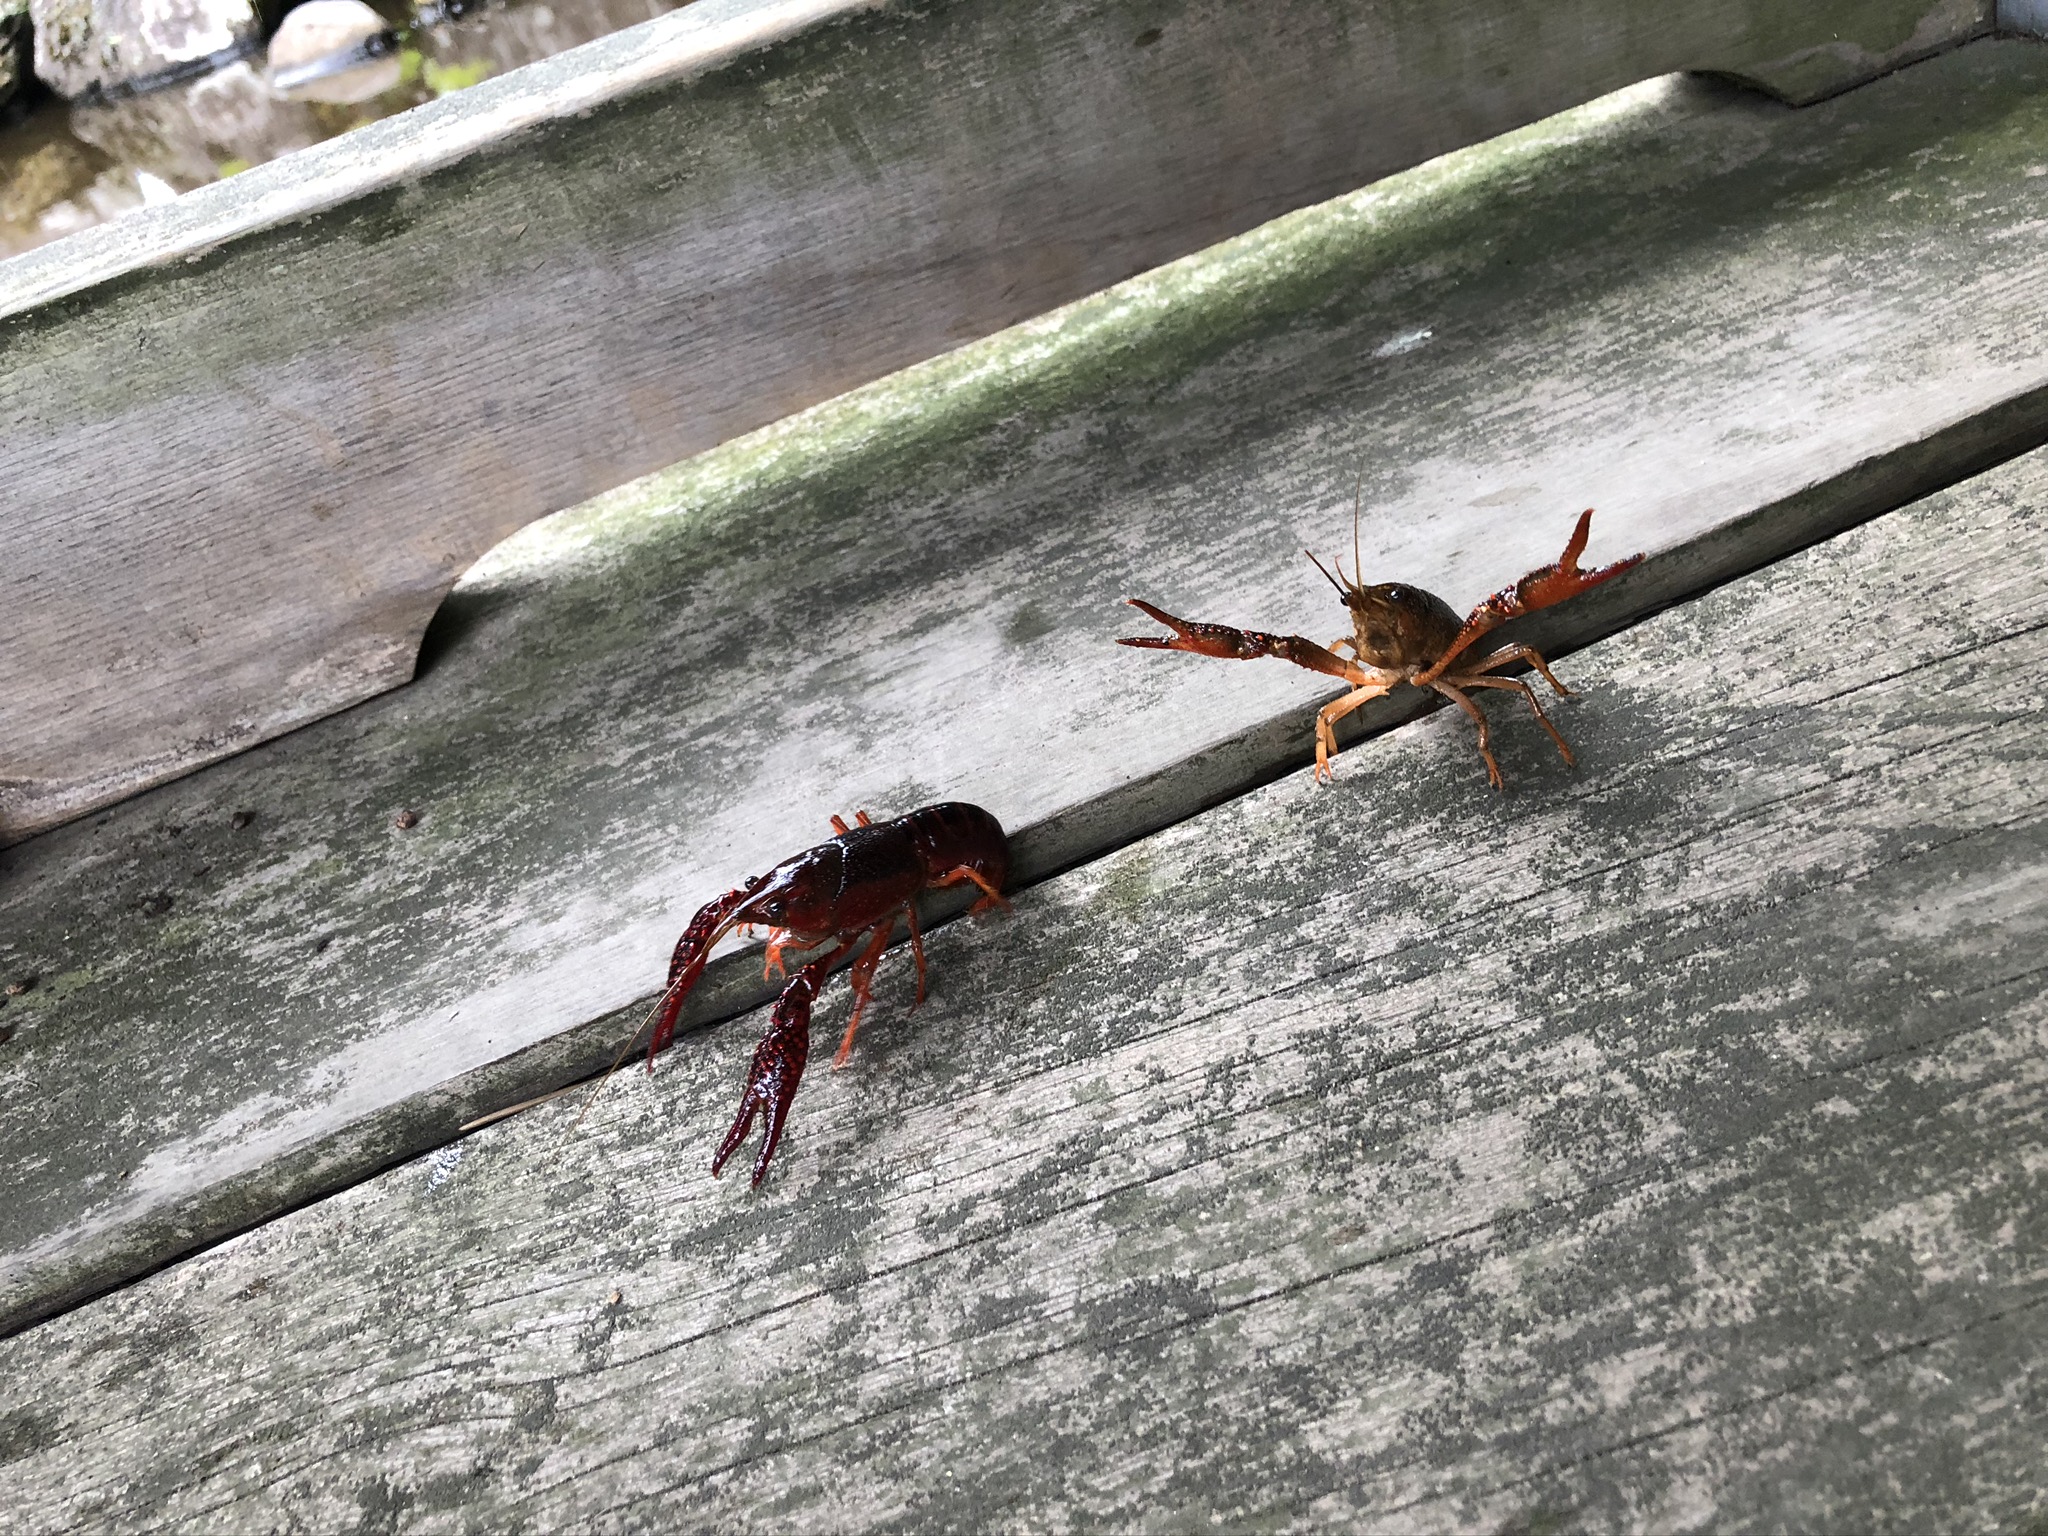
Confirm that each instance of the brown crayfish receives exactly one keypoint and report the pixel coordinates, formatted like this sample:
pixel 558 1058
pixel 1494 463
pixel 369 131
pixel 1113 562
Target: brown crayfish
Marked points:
pixel 1402 634
pixel 855 886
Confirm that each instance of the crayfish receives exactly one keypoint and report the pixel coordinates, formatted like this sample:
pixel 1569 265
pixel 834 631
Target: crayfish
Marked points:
pixel 1402 634
pixel 855 886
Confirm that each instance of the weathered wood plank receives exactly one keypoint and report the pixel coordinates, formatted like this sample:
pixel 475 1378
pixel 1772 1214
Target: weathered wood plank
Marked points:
pixel 1655 1147
pixel 252 438
pixel 1728 325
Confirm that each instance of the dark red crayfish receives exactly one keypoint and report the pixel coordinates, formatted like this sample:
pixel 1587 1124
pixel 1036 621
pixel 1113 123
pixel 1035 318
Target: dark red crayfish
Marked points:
pixel 1402 634
pixel 857 885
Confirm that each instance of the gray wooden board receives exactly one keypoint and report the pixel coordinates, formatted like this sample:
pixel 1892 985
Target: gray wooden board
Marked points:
pixel 1727 324
pixel 254 437
pixel 1659 1146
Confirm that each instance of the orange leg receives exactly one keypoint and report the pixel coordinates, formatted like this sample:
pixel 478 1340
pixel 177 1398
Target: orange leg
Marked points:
pixel 1464 702
pixel 840 827
pixel 1517 685
pixel 1327 718
pixel 1539 589
pixel 959 874
pixel 771 965
pixel 1239 644
pixel 1508 653
pixel 862 975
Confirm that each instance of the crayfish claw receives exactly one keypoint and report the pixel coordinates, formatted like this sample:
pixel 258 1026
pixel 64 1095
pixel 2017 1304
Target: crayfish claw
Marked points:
pixel 777 1068
pixel 713 920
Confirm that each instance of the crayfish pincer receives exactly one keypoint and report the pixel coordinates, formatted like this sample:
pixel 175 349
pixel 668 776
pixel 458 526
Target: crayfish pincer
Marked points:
pixel 854 887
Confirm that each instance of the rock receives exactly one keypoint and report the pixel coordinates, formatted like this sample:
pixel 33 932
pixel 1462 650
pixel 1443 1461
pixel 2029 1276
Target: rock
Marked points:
pixel 336 51
pixel 41 191
pixel 96 46
pixel 14 47
pixel 185 135
pixel 506 36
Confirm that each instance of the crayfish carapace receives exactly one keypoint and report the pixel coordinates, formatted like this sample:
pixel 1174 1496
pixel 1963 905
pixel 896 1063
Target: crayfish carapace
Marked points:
pixel 855 886
pixel 1402 634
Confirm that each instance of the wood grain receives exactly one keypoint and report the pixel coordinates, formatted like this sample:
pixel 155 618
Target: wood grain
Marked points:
pixel 253 438
pixel 1654 1147
pixel 1729 326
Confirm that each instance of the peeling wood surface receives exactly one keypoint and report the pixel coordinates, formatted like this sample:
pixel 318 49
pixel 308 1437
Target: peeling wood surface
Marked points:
pixel 1728 325
pixel 253 438
pixel 1659 1146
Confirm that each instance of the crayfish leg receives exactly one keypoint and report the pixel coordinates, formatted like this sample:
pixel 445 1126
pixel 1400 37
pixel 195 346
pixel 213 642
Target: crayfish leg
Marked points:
pixel 1508 653
pixel 862 978
pixel 1464 702
pixel 778 1065
pixel 962 874
pixel 1326 723
pixel 1517 685
pixel 1542 587
pixel 1221 640
pixel 713 920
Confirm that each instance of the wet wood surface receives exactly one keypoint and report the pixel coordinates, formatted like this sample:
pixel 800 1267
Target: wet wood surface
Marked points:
pixel 1728 325
pixel 254 436
pixel 1654 1146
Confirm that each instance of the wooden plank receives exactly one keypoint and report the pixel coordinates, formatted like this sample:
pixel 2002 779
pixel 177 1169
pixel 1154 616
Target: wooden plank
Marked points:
pixel 253 437
pixel 910 596
pixel 1655 1147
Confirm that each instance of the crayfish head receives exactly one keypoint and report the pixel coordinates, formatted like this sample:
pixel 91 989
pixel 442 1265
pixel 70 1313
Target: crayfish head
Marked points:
pixel 1399 627
pixel 1396 627
pixel 800 895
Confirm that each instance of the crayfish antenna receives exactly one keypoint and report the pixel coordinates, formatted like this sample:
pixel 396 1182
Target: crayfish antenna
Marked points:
pixel 1342 590
pixel 617 1061
pixel 548 1098
pixel 1357 506
pixel 1355 582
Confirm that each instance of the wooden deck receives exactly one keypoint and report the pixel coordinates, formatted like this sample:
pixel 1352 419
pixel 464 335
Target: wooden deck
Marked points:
pixel 1658 1146
pixel 1654 1146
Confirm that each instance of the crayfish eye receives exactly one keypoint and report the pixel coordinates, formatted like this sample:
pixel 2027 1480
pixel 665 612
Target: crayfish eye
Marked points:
pixel 773 910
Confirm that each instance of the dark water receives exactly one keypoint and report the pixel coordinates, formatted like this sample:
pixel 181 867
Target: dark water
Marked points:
pixel 66 167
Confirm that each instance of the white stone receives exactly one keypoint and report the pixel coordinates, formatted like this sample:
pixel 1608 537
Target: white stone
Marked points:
pixel 82 45
pixel 331 31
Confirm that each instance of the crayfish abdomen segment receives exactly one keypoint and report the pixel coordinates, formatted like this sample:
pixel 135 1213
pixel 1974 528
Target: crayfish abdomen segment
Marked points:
pixel 955 836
